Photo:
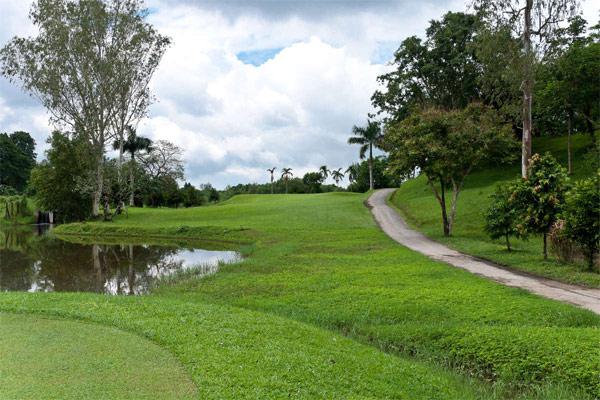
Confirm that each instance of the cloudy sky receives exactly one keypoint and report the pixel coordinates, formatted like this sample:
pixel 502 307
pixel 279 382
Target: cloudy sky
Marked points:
pixel 248 85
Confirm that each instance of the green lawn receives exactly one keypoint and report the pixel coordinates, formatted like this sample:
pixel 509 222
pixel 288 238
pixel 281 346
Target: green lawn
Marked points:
pixel 57 359
pixel 319 269
pixel 418 205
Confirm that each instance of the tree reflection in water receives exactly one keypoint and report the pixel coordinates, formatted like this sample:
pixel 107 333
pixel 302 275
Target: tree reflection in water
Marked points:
pixel 36 262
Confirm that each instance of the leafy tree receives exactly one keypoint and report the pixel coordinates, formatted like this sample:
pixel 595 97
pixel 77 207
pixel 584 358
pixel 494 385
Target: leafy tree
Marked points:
pixel 17 158
pixel 529 20
pixel 381 179
pixel 540 197
pixel 191 196
pixel 286 174
pixel 446 146
pixel 272 172
pixel 441 71
pixel 82 65
pixel 337 175
pixel 352 172
pixel 62 182
pixel 324 171
pixel 164 159
pixel 133 145
pixel 313 181
pixel 501 216
pixel 367 137
pixel 582 215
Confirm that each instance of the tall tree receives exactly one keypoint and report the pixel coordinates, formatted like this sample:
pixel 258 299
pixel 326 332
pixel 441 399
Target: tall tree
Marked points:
pixel 337 175
pixel 75 65
pixel 324 171
pixel 367 137
pixel 164 160
pixel 17 158
pixel 440 71
pixel 534 21
pixel 286 174
pixel 272 172
pixel 445 146
pixel 133 145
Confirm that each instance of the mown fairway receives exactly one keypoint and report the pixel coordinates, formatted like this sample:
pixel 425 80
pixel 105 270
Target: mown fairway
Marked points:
pixel 319 267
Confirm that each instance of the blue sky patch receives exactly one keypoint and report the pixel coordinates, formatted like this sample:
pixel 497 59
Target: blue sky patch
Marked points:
pixel 257 57
pixel 384 52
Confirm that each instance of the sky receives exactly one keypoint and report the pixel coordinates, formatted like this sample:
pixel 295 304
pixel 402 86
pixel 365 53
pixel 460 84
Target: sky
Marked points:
pixel 250 85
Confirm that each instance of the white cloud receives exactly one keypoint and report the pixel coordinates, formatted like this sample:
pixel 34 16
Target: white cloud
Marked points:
pixel 233 119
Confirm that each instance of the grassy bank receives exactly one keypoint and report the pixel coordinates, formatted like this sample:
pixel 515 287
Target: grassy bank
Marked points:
pixel 321 260
pixel 418 205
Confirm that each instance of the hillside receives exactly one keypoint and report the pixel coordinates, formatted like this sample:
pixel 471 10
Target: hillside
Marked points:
pixel 417 204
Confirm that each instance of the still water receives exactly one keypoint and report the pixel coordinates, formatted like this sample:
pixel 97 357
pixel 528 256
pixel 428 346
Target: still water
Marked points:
pixel 32 259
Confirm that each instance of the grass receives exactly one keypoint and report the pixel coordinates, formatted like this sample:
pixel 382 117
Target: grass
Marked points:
pixel 417 204
pixel 326 306
pixel 74 360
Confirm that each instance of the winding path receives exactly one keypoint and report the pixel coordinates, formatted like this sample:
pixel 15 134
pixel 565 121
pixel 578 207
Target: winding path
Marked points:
pixel 395 227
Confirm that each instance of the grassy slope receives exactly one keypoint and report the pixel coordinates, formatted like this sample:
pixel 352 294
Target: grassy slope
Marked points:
pixel 70 360
pixel 321 259
pixel 417 204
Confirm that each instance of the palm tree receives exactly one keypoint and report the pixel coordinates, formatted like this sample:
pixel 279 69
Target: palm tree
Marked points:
pixel 272 171
pixel 337 175
pixel 324 171
pixel 286 175
pixel 133 145
pixel 352 172
pixel 367 137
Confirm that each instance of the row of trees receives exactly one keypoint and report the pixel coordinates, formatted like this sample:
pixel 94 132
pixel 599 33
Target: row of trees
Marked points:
pixel 462 97
pixel 90 65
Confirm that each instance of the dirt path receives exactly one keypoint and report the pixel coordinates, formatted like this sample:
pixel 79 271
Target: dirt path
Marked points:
pixel 393 225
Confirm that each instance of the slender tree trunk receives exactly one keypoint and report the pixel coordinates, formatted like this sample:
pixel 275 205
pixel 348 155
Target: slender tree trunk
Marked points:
pixel 545 246
pixel 371 167
pixel 272 186
pixel 286 186
pixel 527 87
pixel 569 133
pixel 507 242
pixel 97 197
pixel 443 205
pixel 131 182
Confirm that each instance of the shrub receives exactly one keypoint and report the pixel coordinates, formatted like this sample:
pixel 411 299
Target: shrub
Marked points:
pixel 582 216
pixel 501 216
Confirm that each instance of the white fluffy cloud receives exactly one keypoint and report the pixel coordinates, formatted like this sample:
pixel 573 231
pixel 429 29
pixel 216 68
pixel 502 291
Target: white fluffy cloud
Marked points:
pixel 294 107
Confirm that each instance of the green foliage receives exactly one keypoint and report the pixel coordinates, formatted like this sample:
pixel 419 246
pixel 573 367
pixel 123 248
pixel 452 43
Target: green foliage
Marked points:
pixel 441 71
pixel 62 182
pixel 445 146
pixel 501 216
pixel 313 181
pixel 421 210
pixel 14 207
pixel 17 158
pixel 360 176
pixel 582 216
pixel 540 197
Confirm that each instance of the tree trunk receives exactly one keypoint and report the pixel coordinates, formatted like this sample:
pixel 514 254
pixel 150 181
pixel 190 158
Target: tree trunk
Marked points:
pixel 444 213
pixel 507 242
pixel 97 198
pixel 545 246
pixel 527 90
pixel 131 183
pixel 286 186
pixel 370 167
pixel 569 133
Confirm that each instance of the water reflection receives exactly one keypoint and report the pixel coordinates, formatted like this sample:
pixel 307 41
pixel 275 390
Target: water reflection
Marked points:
pixel 35 261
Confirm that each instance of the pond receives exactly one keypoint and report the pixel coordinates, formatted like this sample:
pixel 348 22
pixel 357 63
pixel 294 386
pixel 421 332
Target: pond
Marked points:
pixel 32 259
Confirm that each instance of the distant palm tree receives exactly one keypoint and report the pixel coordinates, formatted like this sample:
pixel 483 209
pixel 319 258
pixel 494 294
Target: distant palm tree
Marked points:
pixel 367 137
pixel 133 145
pixel 286 175
pixel 272 171
pixel 324 171
pixel 337 175
pixel 352 172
